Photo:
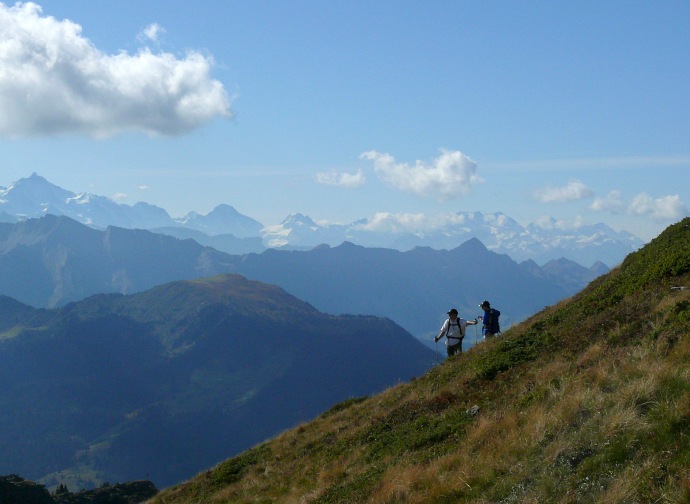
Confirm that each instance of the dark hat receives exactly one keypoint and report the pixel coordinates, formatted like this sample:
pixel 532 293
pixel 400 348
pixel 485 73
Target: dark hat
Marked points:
pixel 452 310
pixel 484 303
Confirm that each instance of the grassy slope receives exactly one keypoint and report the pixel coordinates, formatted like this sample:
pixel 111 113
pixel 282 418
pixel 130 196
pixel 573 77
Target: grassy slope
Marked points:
pixel 587 401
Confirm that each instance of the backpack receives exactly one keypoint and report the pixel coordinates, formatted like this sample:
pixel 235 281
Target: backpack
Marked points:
pixel 494 326
pixel 450 323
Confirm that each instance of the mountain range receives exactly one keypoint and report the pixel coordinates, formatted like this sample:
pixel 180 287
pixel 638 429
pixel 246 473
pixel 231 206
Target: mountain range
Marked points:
pixel 227 230
pixel 164 383
pixel 51 261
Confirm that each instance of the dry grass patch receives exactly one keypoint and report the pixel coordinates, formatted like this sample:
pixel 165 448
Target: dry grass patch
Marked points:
pixel 593 354
pixel 405 484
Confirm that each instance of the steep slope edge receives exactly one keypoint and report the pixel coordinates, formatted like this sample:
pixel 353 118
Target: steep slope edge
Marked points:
pixel 586 401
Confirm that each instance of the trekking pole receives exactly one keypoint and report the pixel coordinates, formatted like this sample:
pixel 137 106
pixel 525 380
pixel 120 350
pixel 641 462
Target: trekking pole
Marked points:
pixel 436 350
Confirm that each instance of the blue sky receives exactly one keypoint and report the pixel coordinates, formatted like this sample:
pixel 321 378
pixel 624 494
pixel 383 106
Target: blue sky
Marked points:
pixel 345 110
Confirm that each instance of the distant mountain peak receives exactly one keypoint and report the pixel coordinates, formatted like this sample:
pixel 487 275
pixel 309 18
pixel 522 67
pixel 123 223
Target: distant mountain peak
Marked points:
pixel 299 219
pixel 473 244
pixel 224 209
pixel 223 219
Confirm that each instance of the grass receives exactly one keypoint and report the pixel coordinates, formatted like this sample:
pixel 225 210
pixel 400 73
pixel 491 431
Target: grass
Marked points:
pixel 587 401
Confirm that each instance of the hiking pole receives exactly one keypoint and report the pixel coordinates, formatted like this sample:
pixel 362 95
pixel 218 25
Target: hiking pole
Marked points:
pixel 436 341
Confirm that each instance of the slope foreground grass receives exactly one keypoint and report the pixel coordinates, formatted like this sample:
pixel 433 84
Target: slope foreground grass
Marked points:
pixel 587 401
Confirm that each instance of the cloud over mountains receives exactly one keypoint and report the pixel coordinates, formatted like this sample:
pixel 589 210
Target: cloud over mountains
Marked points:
pixel 53 80
pixel 662 208
pixel 450 175
pixel 575 190
pixel 669 207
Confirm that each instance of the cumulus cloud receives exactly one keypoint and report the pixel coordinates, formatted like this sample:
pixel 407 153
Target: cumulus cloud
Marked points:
pixel 548 223
pixel 450 175
pixel 54 80
pixel 665 208
pixel 119 196
pixel 341 179
pixel 575 190
pixel 612 203
pixel 669 207
pixel 386 222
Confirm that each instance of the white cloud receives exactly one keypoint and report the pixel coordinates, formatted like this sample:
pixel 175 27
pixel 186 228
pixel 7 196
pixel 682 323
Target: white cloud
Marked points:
pixel 143 187
pixel 152 32
pixel 119 196
pixel 548 223
pixel 667 207
pixel 347 180
pixel 612 203
pixel 575 190
pixel 53 80
pixel 450 175
pixel 385 222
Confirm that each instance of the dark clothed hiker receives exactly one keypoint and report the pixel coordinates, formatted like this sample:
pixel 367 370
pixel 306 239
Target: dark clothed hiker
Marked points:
pixel 490 327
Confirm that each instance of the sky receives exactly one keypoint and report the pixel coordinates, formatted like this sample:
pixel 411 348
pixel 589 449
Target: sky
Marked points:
pixel 394 111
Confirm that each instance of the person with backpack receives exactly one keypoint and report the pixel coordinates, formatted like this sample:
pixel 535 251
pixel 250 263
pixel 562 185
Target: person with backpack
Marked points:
pixel 490 323
pixel 454 331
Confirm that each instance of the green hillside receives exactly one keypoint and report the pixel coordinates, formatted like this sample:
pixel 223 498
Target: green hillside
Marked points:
pixel 587 401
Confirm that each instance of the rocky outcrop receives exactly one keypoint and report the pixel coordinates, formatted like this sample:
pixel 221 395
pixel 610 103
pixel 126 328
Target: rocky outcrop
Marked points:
pixel 16 490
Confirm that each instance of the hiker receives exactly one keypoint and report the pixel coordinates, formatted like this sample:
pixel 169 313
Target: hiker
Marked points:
pixel 454 330
pixel 490 326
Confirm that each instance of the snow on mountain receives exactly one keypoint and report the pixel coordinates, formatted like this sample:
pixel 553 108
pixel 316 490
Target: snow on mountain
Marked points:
pixel 34 197
pixel 589 243
pixel 300 231
pixel 541 241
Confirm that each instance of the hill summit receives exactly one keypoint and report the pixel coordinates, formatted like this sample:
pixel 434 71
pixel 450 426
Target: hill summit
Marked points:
pixel 586 401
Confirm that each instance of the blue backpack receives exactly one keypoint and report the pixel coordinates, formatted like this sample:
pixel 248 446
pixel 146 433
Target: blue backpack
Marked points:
pixel 494 326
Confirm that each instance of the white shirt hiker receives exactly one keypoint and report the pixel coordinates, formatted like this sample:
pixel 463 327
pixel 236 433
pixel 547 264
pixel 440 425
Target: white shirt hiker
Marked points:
pixel 454 330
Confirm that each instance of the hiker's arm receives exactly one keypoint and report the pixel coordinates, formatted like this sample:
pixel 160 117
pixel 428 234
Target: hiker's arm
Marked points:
pixel 444 329
pixel 471 322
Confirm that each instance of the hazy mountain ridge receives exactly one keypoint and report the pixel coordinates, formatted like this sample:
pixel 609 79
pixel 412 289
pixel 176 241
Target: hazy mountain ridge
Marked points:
pixel 53 260
pixel 413 288
pixel 168 381
pixel 587 401
pixel 540 241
